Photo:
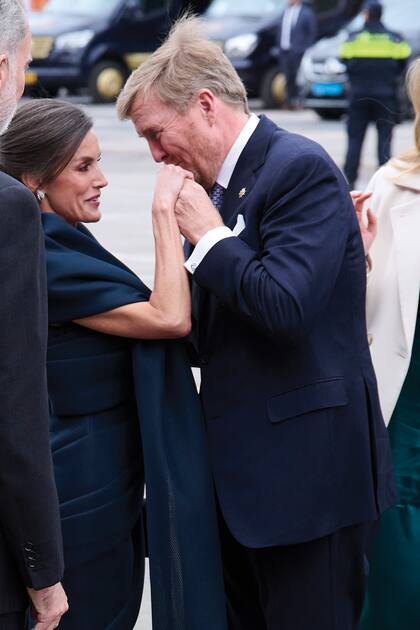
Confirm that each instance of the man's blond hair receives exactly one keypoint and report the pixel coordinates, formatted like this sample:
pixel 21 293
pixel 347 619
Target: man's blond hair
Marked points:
pixel 184 64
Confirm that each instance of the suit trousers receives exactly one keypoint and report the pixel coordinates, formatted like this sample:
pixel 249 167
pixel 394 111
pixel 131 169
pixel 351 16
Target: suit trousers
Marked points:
pixel 289 65
pixel 382 111
pixel 316 585
pixel 13 621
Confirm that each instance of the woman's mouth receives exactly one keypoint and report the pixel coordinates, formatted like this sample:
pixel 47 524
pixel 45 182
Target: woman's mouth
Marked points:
pixel 96 200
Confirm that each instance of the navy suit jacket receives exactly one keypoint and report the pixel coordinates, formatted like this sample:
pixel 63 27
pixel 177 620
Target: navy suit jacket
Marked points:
pixel 297 440
pixel 30 534
pixel 304 32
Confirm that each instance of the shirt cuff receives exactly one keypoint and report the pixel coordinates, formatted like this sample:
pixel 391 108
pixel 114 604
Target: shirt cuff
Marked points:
pixel 205 244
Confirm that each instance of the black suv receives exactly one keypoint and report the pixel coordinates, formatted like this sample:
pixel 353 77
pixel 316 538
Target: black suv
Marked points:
pixel 93 44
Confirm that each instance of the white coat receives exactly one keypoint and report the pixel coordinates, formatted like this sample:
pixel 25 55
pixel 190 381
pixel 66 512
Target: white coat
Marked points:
pixel 394 281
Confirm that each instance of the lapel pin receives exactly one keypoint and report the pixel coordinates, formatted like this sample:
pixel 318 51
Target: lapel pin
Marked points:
pixel 242 193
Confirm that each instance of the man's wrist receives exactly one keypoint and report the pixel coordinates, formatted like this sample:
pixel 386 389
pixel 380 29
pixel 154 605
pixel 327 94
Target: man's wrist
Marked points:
pixel 205 244
pixel 196 238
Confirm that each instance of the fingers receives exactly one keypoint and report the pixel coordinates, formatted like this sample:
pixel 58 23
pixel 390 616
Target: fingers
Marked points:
pixel 354 194
pixel 372 221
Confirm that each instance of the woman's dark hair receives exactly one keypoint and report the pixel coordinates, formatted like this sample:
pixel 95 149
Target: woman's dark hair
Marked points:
pixel 42 138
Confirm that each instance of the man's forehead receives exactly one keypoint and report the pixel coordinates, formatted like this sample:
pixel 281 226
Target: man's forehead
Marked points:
pixel 150 112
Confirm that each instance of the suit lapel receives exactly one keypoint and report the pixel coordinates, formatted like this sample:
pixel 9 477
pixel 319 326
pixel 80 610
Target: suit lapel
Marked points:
pixel 244 175
pixel 234 202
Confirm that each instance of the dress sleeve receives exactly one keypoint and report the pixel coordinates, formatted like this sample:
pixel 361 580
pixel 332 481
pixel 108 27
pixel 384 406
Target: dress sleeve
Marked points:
pixel 83 278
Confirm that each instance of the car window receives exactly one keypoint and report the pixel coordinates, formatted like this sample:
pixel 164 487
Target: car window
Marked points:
pixel 81 7
pixel 244 8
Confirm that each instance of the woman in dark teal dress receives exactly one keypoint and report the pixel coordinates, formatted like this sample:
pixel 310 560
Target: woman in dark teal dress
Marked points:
pixel 393 320
pixel 122 411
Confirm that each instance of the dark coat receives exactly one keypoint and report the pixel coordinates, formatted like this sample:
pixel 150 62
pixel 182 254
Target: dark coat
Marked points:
pixel 297 441
pixel 107 387
pixel 30 535
pixel 304 32
pixel 376 59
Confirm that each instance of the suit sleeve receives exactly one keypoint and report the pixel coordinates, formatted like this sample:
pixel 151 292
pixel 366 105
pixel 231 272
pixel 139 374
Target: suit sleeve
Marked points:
pixel 29 512
pixel 286 285
pixel 313 29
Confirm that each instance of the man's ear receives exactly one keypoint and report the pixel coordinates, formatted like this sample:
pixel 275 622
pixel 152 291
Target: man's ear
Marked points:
pixel 31 182
pixel 4 70
pixel 207 104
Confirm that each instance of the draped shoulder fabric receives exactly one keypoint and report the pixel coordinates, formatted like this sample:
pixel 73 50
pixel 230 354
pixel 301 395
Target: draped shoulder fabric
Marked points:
pixel 186 575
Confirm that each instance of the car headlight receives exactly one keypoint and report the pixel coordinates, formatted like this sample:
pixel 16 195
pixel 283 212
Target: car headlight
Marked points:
pixel 73 41
pixel 241 46
pixel 334 66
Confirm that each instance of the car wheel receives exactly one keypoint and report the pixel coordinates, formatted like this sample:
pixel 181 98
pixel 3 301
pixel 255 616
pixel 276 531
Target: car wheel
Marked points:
pixel 273 88
pixel 106 81
pixel 330 114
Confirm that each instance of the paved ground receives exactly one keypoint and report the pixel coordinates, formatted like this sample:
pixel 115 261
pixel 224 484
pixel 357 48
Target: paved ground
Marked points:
pixel 125 228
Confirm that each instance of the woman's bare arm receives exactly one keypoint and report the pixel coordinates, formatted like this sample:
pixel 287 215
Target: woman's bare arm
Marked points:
pixel 167 314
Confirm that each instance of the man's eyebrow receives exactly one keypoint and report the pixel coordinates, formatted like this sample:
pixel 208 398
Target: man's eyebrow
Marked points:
pixel 148 131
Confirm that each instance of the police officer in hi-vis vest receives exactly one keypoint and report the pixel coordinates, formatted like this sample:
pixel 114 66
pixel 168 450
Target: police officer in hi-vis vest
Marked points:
pixel 375 58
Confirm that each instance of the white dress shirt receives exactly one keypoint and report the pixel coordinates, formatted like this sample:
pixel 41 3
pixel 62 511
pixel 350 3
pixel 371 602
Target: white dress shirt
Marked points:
pixel 215 235
pixel 291 16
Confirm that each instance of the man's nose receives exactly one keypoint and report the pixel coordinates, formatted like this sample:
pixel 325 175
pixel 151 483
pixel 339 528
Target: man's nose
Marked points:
pixel 157 151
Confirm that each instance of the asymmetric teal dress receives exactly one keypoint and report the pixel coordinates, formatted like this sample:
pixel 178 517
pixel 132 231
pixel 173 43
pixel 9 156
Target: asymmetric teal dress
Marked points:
pixel 124 412
pixel 393 600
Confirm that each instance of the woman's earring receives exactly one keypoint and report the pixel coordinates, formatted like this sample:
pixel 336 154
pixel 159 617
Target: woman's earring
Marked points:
pixel 40 195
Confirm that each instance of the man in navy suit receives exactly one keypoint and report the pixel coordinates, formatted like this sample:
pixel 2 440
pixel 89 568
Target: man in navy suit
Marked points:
pixel 31 556
pixel 299 450
pixel 297 31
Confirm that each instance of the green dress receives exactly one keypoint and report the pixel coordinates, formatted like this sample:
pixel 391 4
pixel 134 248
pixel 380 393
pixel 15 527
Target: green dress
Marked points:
pixel 393 600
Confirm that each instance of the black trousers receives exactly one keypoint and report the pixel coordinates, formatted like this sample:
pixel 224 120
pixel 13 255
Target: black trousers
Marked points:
pixel 362 111
pixel 289 65
pixel 318 585
pixel 13 621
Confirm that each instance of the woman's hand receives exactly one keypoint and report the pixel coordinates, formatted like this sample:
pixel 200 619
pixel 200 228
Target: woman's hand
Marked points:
pixel 368 230
pixel 169 184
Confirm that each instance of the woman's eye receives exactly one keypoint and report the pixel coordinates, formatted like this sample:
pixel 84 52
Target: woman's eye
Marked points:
pixel 84 167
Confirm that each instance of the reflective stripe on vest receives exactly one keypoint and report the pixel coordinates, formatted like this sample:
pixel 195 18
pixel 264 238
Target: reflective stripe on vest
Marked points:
pixel 374 46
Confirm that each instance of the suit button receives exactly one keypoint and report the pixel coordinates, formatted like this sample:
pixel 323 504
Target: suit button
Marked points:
pixel 370 339
pixel 204 359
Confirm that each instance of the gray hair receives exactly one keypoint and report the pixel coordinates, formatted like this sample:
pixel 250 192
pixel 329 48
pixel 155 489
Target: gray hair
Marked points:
pixel 13 26
pixel 184 64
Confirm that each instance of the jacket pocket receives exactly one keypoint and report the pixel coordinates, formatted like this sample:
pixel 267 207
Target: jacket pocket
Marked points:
pixel 303 400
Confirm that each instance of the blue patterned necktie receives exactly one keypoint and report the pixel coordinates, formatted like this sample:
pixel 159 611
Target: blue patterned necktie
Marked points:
pixel 216 196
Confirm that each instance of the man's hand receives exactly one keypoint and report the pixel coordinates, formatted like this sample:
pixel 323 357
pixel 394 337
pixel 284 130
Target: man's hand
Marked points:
pixel 48 606
pixel 195 213
pixel 368 230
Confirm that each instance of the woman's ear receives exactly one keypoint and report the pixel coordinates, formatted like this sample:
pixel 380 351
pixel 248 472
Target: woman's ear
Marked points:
pixel 31 182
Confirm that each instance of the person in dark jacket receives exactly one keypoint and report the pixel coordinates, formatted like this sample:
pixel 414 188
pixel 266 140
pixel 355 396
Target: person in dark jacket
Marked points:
pixel 297 31
pixel 375 58
pixel 31 556
pixel 299 451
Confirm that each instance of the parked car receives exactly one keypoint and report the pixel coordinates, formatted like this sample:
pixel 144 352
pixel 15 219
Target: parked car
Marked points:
pixel 248 30
pixel 93 44
pixel 323 76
